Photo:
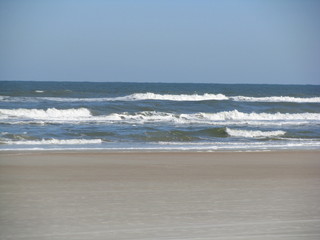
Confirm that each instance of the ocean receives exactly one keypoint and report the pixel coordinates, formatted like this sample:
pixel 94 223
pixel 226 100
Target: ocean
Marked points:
pixel 158 116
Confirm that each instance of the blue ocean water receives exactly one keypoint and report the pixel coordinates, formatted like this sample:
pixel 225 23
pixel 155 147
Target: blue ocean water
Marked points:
pixel 158 116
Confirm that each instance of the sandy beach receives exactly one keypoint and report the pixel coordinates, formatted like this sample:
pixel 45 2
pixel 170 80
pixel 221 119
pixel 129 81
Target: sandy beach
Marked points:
pixel 100 195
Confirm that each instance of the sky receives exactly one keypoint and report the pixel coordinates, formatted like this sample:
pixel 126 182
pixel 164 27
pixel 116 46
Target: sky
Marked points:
pixel 217 41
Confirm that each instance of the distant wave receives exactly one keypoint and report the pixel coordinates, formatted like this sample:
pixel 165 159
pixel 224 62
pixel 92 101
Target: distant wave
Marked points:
pixel 253 134
pixel 276 99
pixel 83 115
pixel 209 97
pixel 132 97
pixel 168 97
pixel 55 141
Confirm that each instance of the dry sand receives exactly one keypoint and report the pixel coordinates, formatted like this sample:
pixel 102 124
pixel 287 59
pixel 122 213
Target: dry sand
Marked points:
pixel 98 195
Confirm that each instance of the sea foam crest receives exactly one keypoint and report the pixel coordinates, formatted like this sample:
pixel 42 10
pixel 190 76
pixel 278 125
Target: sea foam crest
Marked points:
pixel 209 96
pixel 56 142
pixel 81 115
pixel 236 115
pixel 172 97
pixel 167 97
pixel 276 99
pixel 132 97
pixel 224 117
pixel 50 113
pixel 253 134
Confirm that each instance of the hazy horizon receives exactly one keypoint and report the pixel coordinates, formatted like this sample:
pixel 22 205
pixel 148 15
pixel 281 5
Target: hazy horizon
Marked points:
pixel 169 82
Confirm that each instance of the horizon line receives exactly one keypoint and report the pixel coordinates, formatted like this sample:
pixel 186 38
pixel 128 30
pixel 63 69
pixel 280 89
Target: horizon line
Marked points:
pixel 86 81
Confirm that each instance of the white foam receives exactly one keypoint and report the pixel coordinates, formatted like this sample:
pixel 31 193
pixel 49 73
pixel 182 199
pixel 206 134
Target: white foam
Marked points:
pixel 58 99
pixel 236 146
pixel 83 115
pixel 50 113
pixel 171 97
pixel 166 97
pixel 240 116
pixel 171 146
pixel 56 142
pixel 220 118
pixel 253 134
pixel 145 96
pixel 276 99
pixel 209 96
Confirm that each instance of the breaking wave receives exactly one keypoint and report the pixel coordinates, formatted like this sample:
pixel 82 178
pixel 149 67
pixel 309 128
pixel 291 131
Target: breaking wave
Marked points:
pixel 277 99
pixel 239 116
pixel 168 97
pixel 253 134
pixel 50 113
pixel 82 115
pixel 208 97
pixel 207 118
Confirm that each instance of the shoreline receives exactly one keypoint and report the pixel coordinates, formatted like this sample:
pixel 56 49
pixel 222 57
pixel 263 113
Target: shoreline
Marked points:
pixel 26 151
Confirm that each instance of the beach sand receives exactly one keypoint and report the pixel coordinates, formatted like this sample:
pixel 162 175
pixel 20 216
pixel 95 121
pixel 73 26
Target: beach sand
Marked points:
pixel 100 195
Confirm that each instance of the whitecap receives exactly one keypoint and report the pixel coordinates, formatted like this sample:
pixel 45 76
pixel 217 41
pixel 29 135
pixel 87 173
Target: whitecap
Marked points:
pixel 83 115
pixel 253 134
pixel 50 113
pixel 276 99
pixel 167 97
pixel 171 97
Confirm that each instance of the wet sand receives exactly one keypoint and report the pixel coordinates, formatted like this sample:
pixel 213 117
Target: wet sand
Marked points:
pixel 99 195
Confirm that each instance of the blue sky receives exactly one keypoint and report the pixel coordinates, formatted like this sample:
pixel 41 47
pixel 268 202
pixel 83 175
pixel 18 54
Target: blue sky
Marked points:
pixel 222 41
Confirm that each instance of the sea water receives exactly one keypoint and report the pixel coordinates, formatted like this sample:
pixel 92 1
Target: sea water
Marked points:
pixel 158 116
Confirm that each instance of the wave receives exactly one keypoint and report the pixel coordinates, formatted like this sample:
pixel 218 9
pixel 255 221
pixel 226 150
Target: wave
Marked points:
pixel 240 116
pixel 235 115
pixel 168 97
pixel 55 142
pixel 209 97
pixel 50 113
pixel 172 97
pixel 83 115
pixel 224 118
pixel 253 134
pixel 132 97
pixel 276 99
